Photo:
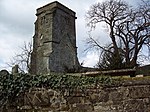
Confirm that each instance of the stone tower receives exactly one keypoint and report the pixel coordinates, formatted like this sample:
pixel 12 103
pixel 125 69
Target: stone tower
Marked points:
pixel 54 42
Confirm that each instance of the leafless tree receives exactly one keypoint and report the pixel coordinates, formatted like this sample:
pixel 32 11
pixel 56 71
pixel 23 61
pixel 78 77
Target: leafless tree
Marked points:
pixel 129 29
pixel 23 59
pixel 134 33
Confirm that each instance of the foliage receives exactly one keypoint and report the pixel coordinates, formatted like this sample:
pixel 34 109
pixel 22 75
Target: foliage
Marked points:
pixel 109 60
pixel 11 86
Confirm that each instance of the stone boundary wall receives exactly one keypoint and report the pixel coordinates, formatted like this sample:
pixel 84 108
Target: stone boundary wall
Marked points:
pixel 129 96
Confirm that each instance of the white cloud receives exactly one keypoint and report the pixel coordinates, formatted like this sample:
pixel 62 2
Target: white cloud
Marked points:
pixel 17 19
pixel 10 44
pixel 17 24
pixel 90 60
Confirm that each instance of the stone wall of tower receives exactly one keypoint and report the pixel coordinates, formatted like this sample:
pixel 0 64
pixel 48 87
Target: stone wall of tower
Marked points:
pixel 54 48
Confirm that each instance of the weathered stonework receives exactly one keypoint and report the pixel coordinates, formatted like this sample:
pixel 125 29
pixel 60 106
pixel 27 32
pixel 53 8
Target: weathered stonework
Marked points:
pixel 129 96
pixel 54 45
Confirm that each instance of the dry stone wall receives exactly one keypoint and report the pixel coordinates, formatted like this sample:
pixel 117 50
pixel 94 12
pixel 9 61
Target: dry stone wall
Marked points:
pixel 130 96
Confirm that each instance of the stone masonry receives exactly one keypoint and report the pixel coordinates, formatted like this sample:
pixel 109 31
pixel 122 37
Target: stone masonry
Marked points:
pixel 54 42
pixel 128 96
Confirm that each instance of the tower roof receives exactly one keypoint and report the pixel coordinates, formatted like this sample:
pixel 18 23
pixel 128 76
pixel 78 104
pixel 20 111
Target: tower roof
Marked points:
pixel 53 6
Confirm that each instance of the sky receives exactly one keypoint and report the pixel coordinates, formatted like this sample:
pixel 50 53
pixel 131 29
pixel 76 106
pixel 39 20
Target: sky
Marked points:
pixel 17 19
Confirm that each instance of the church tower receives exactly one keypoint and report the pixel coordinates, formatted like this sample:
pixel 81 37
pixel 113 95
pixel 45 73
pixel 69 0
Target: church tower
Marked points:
pixel 54 42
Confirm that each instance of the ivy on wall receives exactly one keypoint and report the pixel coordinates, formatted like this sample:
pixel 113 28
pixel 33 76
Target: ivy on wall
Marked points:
pixel 12 86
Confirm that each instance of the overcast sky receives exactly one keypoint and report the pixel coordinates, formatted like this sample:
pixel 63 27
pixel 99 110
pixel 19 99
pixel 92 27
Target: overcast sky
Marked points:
pixel 17 19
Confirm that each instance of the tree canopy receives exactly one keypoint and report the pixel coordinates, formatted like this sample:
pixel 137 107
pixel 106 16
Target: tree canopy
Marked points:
pixel 129 30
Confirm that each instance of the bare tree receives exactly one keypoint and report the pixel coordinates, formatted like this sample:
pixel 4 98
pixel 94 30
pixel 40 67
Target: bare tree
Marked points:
pixel 128 28
pixel 23 59
pixel 145 11
pixel 134 33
